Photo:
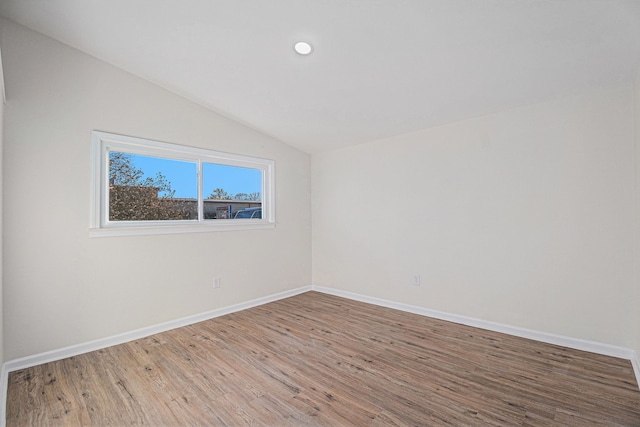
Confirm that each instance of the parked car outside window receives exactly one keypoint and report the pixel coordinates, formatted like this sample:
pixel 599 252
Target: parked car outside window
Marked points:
pixel 249 213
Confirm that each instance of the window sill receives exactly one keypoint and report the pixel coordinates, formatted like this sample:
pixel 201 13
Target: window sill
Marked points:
pixel 178 229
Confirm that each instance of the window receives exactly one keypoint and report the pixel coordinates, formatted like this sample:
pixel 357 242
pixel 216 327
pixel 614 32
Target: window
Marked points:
pixel 149 187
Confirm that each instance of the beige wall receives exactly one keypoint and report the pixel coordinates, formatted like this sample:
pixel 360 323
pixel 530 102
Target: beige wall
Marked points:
pixel 1 239
pixel 64 288
pixel 524 217
pixel 637 210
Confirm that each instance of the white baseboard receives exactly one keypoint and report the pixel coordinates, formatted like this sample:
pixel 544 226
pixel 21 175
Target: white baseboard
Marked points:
pixel 4 382
pixel 74 350
pixel 574 343
pixel 636 366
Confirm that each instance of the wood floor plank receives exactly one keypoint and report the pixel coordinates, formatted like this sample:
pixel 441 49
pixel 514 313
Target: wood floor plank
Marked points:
pixel 321 360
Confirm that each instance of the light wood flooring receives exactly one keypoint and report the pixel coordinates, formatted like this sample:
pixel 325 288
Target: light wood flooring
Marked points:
pixel 320 360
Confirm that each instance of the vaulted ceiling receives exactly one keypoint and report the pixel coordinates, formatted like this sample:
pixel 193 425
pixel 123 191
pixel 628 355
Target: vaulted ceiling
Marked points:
pixel 378 67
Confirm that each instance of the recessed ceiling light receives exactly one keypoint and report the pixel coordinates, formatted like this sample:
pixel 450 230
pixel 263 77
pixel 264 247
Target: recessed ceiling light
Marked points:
pixel 303 48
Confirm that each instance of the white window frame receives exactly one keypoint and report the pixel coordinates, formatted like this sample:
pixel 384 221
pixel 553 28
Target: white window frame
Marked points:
pixel 102 143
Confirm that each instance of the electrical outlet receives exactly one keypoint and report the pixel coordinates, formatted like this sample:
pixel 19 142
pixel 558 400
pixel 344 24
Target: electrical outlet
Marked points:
pixel 216 282
pixel 416 280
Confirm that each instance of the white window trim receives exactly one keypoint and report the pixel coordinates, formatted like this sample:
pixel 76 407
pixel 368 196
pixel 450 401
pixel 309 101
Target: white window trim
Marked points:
pixel 100 226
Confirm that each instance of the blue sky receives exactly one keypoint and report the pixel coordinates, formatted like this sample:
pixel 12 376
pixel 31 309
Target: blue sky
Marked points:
pixel 182 176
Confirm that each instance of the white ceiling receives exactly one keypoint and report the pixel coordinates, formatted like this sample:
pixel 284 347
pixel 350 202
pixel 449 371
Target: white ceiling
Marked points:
pixel 379 68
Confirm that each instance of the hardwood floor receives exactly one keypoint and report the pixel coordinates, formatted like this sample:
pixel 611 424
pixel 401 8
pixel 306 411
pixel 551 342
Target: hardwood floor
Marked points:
pixel 320 360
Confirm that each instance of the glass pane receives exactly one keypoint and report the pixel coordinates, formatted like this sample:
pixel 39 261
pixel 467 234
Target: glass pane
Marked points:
pixel 144 188
pixel 231 192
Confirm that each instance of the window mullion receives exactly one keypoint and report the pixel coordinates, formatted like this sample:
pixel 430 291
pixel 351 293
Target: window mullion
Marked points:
pixel 200 196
